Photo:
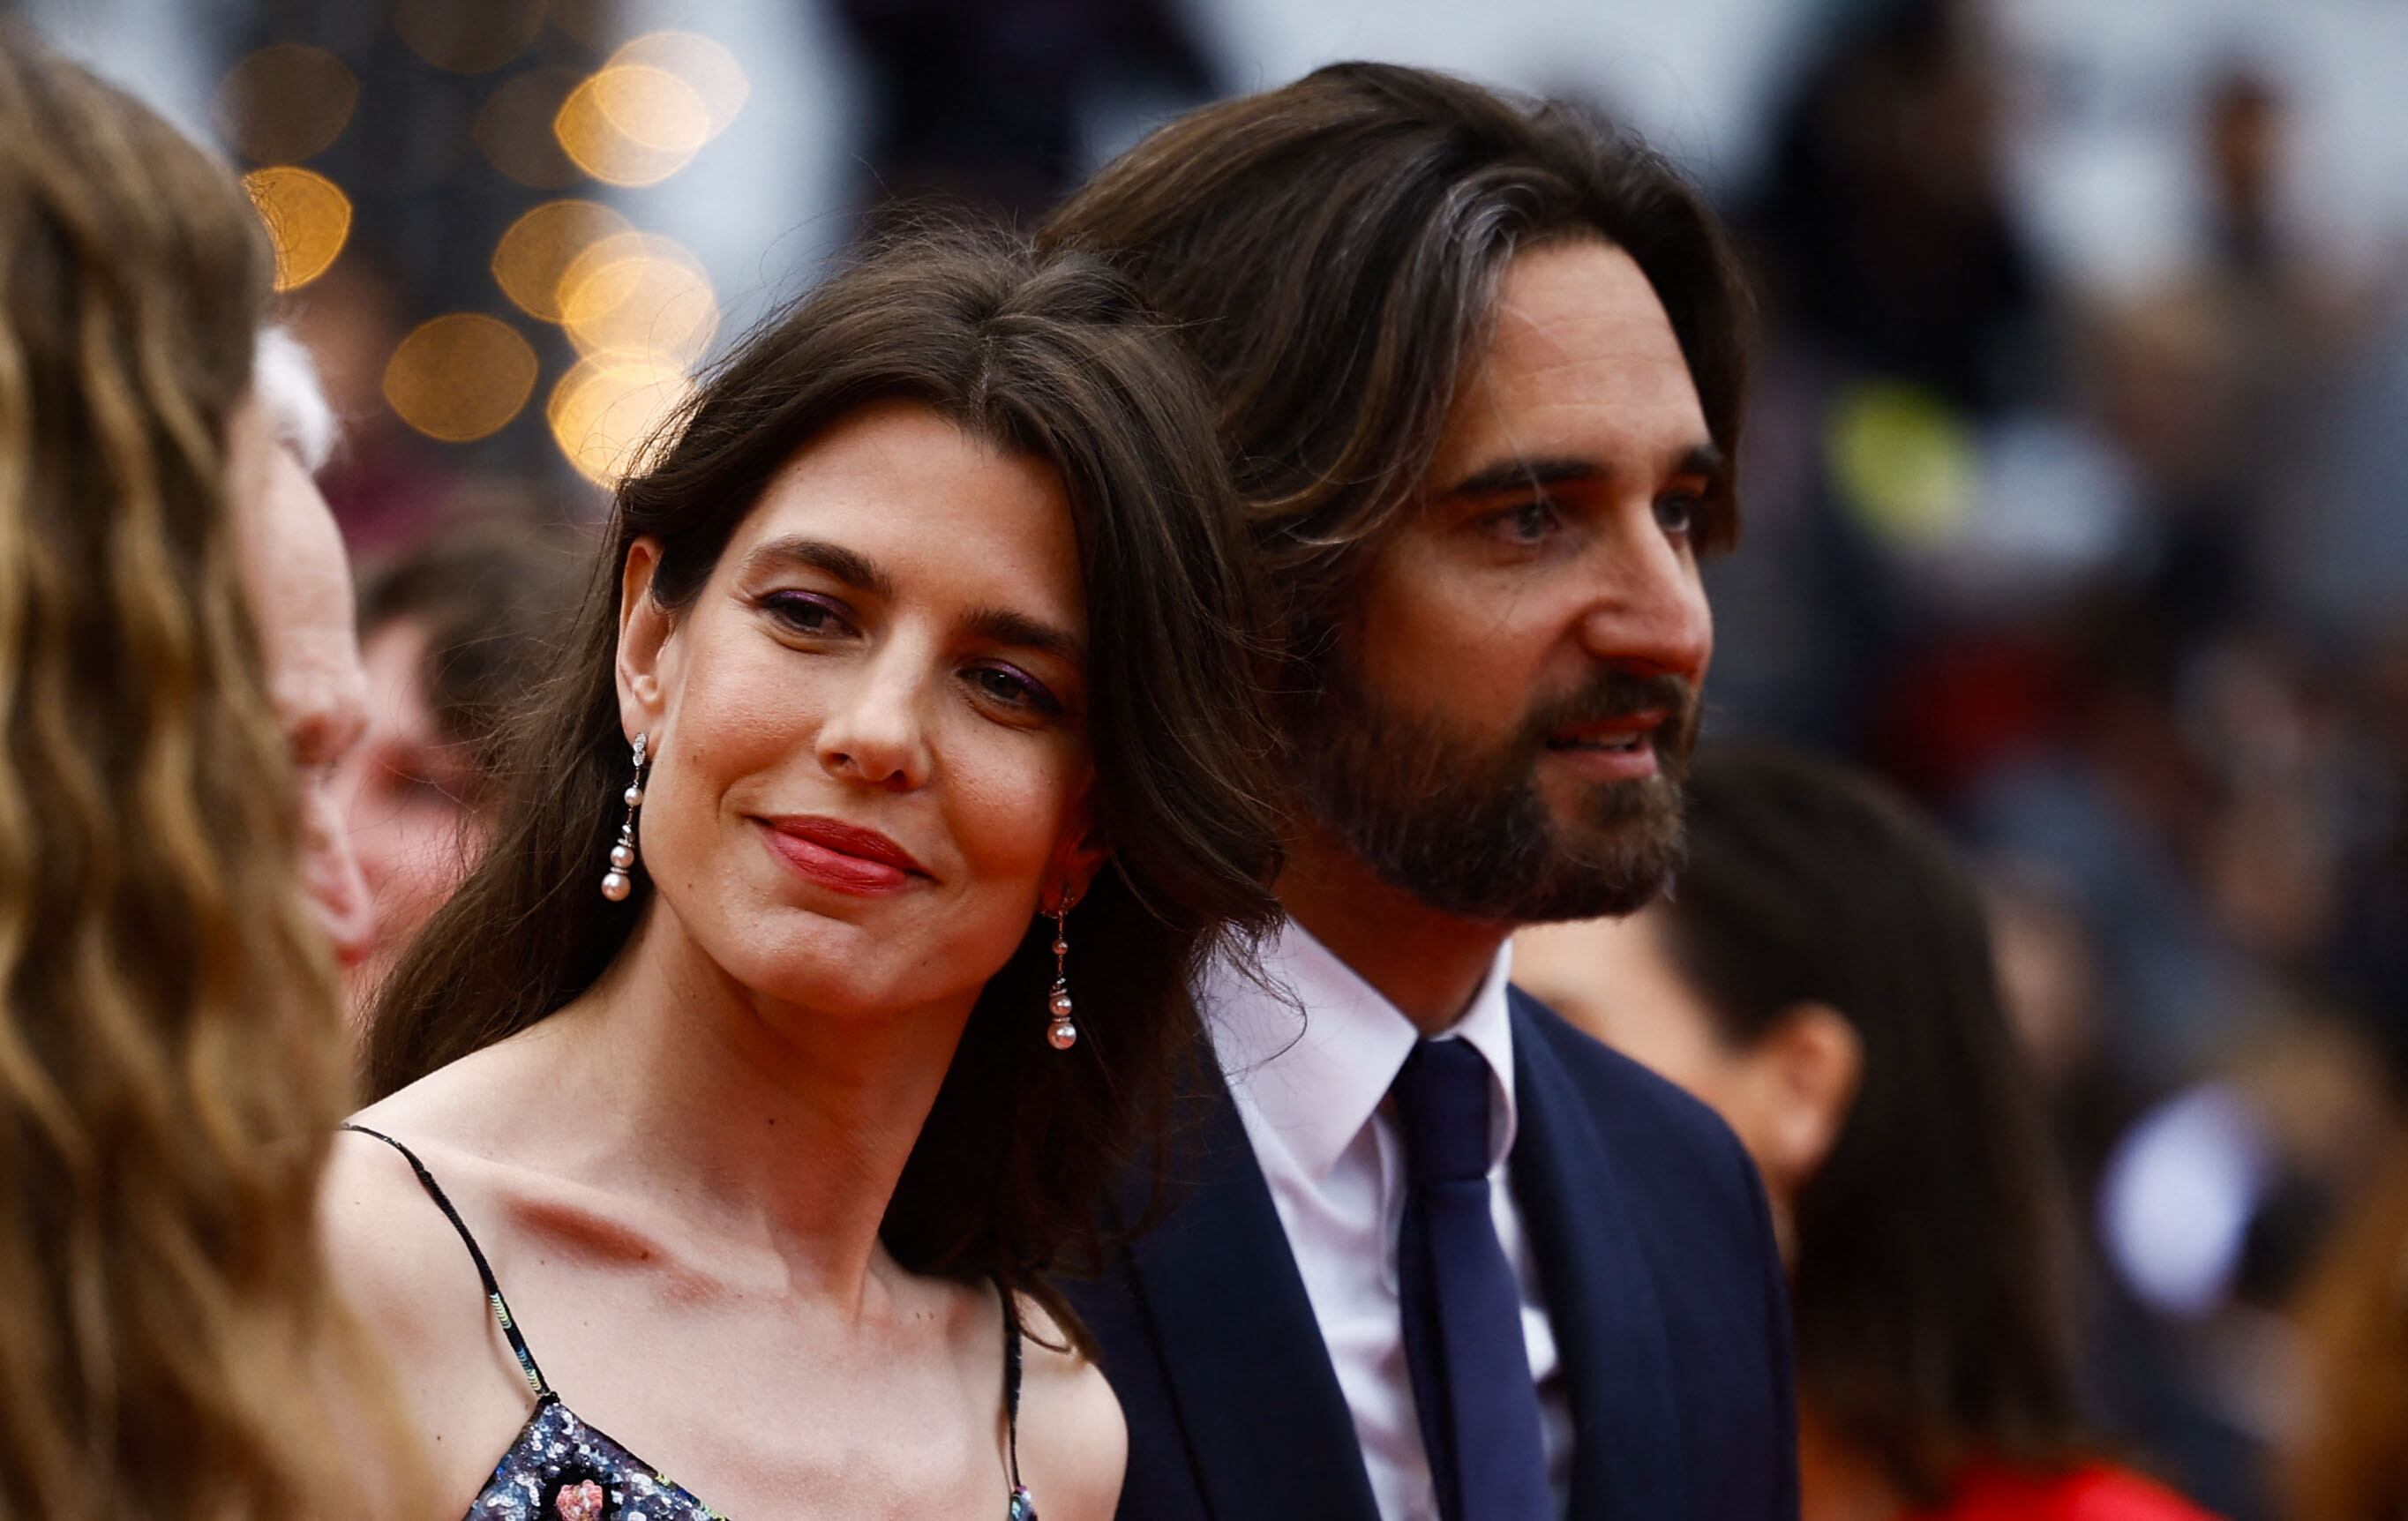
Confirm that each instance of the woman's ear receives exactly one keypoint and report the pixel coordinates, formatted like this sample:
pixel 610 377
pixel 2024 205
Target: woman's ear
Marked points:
pixel 1080 853
pixel 643 631
pixel 1811 1060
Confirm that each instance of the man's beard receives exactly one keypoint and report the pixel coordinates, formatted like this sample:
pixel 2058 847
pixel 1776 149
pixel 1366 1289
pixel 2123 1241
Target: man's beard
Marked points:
pixel 1460 822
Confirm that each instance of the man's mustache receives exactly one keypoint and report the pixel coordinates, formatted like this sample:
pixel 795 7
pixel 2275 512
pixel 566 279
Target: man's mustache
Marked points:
pixel 1618 694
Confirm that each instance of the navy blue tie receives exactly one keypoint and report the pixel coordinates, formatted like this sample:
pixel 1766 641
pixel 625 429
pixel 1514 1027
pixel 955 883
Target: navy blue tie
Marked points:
pixel 1479 1406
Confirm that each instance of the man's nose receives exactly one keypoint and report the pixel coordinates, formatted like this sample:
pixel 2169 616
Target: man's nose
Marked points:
pixel 1651 612
pixel 330 871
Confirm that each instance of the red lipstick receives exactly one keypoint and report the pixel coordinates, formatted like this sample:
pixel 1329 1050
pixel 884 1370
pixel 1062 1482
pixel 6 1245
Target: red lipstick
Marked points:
pixel 844 856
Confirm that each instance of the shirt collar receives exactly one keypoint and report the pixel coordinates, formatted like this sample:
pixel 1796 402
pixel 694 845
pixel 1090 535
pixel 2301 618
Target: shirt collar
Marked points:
pixel 1315 1051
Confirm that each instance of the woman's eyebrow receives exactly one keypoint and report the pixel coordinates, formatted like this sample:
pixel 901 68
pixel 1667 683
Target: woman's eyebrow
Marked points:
pixel 850 566
pixel 1003 625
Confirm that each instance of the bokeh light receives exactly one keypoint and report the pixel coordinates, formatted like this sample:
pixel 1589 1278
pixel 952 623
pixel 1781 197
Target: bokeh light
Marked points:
pixel 706 65
pixel 460 376
pixel 513 129
pixel 632 125
pixel 1904 463
pixel 283 104
pixel 604 411
pixel 308 219
pixel 532 262
pixel 648 111
pixel 468 36
pixel 638 296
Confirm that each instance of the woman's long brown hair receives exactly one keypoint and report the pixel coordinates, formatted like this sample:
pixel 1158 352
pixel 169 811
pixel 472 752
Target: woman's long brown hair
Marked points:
pixel 171 1054
pixel 1053 359
pixel 1931 1256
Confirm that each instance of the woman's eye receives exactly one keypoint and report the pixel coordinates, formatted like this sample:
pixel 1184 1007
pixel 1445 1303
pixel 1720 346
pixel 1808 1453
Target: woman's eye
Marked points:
pixel 1013 689
pixel 411 790
pixel 804 613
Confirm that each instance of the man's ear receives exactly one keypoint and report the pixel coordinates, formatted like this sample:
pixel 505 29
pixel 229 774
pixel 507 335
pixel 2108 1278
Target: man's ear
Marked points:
pixel 644 628
pixel 1812 1060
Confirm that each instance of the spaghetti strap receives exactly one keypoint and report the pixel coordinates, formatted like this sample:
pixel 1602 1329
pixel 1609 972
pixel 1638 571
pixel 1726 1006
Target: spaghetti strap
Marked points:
pixel 501 1307
pixel 1022 1507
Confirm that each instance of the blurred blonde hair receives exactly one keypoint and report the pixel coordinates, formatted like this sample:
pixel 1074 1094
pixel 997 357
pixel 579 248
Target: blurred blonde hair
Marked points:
pixel 171 1056
pixel 2344 1463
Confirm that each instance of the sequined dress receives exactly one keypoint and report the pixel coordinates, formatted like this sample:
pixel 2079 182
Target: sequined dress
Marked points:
pixel 560 1468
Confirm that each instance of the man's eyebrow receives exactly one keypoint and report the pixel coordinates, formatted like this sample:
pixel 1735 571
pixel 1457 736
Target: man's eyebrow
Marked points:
pixel 1508 474
pixel 1522 474
pixel 1707 460
pixel 850 566
pixel 1002 625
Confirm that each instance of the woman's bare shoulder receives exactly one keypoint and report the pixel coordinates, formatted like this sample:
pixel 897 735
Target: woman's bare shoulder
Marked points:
pixel 1073 1444
pixel 407 1277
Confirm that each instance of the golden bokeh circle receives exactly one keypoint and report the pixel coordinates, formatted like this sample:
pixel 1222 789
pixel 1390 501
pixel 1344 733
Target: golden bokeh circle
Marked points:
pixel 535 255
pixel 706 65
pixel 632 125
pixel 309 220
pixel 460 377
pixel 639 296
pixel 606 414
pixel 468 36
pixel 285 103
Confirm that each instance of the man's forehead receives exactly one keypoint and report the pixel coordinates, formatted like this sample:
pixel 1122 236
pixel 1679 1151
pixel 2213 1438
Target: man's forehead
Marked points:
pixel 315 679
pixel 298 581
pixel 1581 362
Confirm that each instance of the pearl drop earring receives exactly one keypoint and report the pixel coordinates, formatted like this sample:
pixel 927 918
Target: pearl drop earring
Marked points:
pixel 617 883
pixel 1061 1034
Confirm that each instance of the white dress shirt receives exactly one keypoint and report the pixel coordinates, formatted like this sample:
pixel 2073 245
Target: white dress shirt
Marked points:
pixel 1311 1090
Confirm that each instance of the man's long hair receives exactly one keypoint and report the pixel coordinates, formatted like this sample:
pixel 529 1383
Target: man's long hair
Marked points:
pixel 1331 250
pixel 172 1062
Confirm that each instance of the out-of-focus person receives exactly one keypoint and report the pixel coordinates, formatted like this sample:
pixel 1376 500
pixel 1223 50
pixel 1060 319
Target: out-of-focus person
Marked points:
pixel 297 581
pixel 453 634
pixel 1820 974
pixel 171 1057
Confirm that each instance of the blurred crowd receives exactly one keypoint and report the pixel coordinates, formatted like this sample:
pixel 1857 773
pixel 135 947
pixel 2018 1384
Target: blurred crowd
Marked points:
pixel 2116 586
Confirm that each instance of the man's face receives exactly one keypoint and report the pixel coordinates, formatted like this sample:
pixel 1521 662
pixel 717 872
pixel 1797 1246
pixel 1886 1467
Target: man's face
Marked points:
pixel 1503 723
pixel 299 585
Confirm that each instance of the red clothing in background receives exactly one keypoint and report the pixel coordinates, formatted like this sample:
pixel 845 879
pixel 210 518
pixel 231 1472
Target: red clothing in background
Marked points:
pixel 2096 1493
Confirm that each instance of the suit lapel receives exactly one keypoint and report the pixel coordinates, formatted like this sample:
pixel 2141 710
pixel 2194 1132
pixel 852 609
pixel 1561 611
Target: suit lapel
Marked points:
pixel 1264 1419
pixel 1601 1295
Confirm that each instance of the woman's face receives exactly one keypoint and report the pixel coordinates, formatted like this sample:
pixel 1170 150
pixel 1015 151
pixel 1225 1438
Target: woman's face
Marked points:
pixel 407 794
pixel 1786 1095
pixel 869 767
pixel 1615 979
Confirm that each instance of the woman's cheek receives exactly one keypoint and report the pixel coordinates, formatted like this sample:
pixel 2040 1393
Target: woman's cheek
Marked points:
pixel 1005 813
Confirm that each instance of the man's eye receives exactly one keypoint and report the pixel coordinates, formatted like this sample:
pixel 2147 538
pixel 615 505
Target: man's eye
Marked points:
pixel 1527 523
pixel 1678 515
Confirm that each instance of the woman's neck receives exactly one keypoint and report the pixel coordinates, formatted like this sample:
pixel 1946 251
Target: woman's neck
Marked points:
pixel 752 1114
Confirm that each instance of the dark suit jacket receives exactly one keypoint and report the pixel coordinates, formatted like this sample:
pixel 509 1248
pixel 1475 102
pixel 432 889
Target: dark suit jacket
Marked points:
pixel 1660 1274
